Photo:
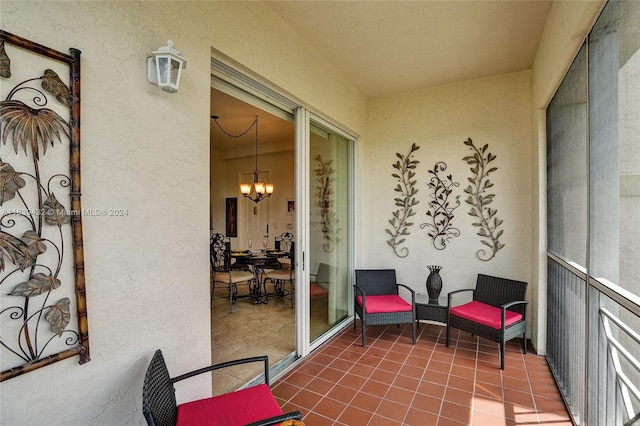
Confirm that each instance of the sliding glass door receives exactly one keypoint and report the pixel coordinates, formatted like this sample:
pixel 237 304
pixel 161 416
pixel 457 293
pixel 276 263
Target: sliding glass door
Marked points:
pixel 329 218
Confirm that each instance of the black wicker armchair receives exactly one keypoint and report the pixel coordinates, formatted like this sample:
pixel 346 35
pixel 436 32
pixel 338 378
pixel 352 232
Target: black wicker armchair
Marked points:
pixel 497 311
pixel 377 300
pixel 255 405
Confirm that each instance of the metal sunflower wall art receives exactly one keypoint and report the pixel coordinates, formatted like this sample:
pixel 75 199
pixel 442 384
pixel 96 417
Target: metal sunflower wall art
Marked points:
pixel 405 201
pixel 480 200
pixel 41 279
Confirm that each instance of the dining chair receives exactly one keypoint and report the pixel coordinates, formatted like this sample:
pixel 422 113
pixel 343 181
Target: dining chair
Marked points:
pixel 223 275
pixel 283 275
pixel 254 405
pixel 283 244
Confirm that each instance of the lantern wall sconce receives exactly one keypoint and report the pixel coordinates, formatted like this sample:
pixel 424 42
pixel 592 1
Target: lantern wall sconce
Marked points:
pixel 165 67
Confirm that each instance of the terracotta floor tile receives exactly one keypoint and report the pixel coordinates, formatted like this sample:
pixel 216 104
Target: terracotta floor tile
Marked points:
pixel 457 412
pixel 342 393
pixel 341 365
pixel 388 365
pixel 306 399
pixel 352 381
pixel 462 383
pixel 417 417
pixel 366 401
pixel 330 408
pixel 375 388
pixel 285 390
pixel 392 410
pixel 458 396
pixel 362 370
pixel 378 420
pixel 316 419
pixel 481 418
pixel 383 376
pixel 435 377
pixel 439 366
pixel 427 403
pixel 411 371
pixel 319 385
pixel 431 389
pixel 408 383
pixel 331 374
pixel 354 416
pixel 487 390
pixel 399 395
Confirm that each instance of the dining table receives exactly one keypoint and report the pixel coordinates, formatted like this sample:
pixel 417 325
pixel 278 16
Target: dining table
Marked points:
pixel 258 261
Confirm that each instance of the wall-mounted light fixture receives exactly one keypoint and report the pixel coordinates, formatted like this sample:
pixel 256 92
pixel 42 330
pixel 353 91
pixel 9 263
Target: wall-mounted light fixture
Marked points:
pixel 165 67
pixel 256 191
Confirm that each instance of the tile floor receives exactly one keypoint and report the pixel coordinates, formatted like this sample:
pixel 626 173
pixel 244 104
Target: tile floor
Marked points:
pixel 392 382
pixel 255 330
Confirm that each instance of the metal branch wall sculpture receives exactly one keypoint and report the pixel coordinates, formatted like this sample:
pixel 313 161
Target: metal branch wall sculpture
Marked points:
pixel 405 202
pixel 323 191
pixel 40 213
pixel 441 229
pixel 480 200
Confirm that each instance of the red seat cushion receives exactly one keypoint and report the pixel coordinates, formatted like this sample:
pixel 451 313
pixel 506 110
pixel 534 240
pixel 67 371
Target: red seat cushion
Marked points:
pixel 231 409
pixel 385 303
pixel 485 314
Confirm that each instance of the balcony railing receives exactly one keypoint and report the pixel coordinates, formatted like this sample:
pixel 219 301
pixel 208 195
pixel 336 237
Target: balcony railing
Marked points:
pixel 592 346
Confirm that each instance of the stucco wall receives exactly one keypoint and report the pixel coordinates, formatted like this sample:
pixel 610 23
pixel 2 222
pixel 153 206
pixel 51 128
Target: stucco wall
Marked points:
pixel 148 151
pixel 493 111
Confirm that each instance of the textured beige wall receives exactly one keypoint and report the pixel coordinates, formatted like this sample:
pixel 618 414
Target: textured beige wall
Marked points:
pixel 493 111
pixel 148 151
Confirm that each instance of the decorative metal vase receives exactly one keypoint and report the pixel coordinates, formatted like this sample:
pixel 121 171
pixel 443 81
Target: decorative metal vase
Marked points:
pixel 434 283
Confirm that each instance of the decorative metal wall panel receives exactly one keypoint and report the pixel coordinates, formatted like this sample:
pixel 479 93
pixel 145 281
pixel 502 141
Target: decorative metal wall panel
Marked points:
pixel 43 315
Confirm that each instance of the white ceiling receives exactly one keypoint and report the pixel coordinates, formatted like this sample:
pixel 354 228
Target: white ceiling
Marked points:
pixel 384 47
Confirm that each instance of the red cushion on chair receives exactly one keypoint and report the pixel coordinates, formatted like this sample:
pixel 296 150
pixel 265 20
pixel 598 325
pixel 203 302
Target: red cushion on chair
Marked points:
pixel 485 314
pixel 385 303
pixel 231 409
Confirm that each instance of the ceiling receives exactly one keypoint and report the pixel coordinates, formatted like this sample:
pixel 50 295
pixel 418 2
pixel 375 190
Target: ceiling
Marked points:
pixel 386 47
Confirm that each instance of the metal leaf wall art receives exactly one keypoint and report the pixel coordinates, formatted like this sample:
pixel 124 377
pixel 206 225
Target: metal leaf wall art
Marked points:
pixel 441 207
pixel 480 200
pixel 39 213
pixel 324 173
pixel 405 201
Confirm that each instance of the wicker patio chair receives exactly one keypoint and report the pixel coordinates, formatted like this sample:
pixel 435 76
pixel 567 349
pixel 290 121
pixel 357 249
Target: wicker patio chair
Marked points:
pixel 255 405
pixel 497 311
pixel 224 276
pixel 377 301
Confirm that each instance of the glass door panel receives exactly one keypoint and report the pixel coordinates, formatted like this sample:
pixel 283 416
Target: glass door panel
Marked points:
pixel 329 164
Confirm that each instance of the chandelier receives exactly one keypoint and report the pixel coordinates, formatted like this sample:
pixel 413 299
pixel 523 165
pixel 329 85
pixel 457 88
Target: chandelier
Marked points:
pixel 258 190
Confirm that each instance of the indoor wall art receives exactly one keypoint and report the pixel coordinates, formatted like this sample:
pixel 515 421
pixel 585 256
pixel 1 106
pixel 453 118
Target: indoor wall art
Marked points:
pixel 43 315
pixel 405 201
pixel 480 200
pixel 440 226
pixel 324 173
